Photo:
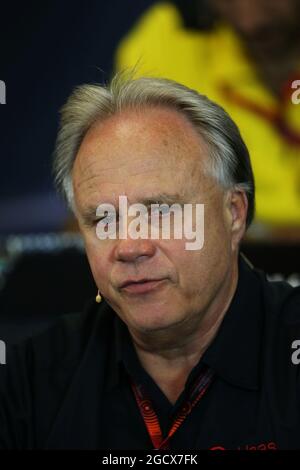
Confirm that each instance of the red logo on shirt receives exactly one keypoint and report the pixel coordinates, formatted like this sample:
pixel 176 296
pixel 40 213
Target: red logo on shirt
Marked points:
pixel 263 446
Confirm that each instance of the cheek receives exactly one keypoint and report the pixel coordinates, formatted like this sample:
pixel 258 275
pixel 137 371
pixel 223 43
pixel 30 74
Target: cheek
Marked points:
pixel 182 263
pixel 98 261
pixel 217 232
pixel 205 266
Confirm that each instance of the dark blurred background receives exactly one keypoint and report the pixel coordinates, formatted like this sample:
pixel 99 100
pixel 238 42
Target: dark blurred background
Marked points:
pixel 47 48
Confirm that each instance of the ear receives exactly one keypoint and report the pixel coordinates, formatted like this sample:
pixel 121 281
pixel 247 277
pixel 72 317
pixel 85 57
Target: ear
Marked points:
pixel 237 208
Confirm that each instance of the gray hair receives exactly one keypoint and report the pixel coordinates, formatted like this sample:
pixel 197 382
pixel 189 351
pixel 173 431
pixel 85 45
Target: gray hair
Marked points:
pixel 230 160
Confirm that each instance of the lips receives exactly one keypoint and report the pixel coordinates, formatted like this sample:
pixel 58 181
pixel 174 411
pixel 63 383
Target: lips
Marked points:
pixel 141 286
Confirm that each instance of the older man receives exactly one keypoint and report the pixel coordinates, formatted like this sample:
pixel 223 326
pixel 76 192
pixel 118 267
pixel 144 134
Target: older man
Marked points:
pixel 189 348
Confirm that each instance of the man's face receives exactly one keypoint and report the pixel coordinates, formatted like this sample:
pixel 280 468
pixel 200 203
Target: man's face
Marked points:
pixel 154 154
pixel 265 24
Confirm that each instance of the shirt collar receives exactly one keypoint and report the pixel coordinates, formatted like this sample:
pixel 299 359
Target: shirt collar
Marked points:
pixel 234 353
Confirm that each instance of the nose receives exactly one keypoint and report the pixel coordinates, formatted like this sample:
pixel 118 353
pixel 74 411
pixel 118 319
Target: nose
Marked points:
pixel 131 250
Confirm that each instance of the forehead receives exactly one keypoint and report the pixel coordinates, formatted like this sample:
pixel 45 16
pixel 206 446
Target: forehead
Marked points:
pixel 137 152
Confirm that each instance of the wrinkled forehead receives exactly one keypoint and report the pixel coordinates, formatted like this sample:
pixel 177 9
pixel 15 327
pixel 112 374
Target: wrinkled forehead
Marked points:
pixel 137 148
pixel 155 130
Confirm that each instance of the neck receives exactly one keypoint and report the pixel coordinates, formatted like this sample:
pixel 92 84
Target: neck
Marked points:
pixel 169 355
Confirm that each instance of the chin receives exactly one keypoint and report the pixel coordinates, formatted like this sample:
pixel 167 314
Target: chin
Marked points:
pixel 152 322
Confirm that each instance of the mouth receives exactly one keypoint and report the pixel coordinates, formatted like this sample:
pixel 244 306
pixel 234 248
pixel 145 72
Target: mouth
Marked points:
pixel 142 286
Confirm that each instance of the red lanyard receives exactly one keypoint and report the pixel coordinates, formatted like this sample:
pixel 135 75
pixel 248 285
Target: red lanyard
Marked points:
pixel 151 419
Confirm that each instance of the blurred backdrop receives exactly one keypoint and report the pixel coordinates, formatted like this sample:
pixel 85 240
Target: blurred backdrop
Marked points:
pixel 47 48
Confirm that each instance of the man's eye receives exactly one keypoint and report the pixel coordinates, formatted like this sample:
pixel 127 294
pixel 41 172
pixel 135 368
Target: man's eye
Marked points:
pixel 162 210
pixel 108 219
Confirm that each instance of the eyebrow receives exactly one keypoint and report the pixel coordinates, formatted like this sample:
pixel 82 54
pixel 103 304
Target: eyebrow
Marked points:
pixel 163 198
pixel 89 213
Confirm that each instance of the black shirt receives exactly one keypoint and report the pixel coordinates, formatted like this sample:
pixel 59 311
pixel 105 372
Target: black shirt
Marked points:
pixel 69 386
